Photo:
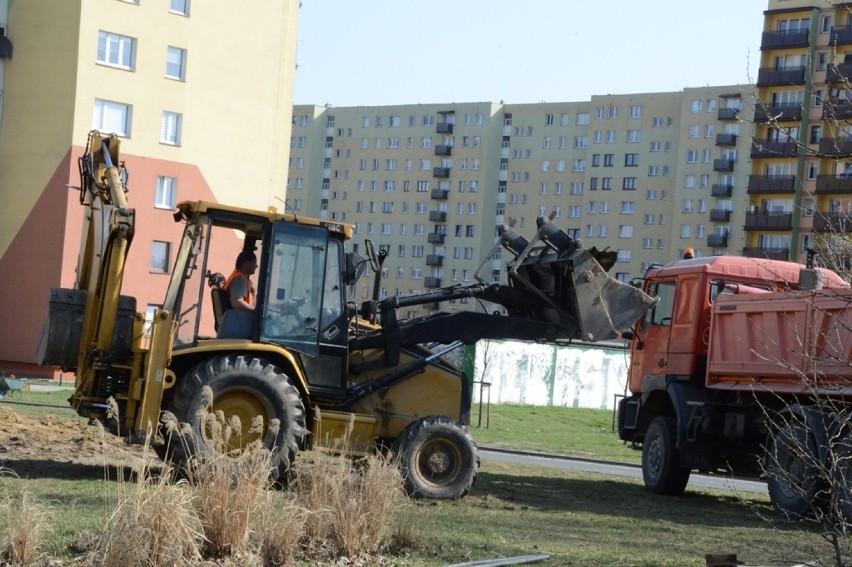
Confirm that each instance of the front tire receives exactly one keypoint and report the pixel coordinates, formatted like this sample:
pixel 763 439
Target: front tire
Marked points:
pixel 438 458
pixel 661 469
pixel 242 388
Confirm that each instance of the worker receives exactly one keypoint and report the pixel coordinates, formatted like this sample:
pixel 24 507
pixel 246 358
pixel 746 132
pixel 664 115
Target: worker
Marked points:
pixel 238 286
pixel 688 254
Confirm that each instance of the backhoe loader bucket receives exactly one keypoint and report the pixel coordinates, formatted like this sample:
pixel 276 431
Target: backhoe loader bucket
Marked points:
pixel 574 290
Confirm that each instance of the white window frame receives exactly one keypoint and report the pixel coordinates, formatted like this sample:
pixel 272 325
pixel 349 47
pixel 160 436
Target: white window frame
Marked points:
pixel 171 127
pixel 179 73
pixel 166 195
pixel 116 50
pixel 112 117
pixel 161 253
pixel 179 7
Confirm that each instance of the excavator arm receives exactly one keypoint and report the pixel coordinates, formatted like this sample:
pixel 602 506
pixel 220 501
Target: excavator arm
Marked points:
pixel 557 290
pixel 92 329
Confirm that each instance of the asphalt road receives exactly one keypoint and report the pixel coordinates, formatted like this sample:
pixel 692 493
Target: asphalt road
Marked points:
pixel 618 469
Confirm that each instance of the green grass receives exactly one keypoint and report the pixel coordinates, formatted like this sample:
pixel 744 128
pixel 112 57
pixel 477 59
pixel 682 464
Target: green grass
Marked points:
pixel 20 402
pixel 574 432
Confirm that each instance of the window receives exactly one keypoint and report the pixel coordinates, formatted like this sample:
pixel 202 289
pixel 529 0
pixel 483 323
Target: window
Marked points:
pixel 582 119
pixel 634 136
pixel 655 146
pixel 576 187
pixel 685 230
pixel 470 230
pixel 687 205
pixel 606 183
pixel 599 113
pixel 696 105
pixel 628 207
pixel 631 160
pixel 610 136
pixel 112 116
pixel 608 160
pixel 179 7
pixel 170 128
pixel 176 63
pixel 166 192
pixel 692 156
pixel 117 50
pixel 578 165
pixel 629 184
pixel 625 231
pixel 825 24
pixel 624 255
pixel 694 131
pixel 581 141
pixel 634 111
pixel 160 256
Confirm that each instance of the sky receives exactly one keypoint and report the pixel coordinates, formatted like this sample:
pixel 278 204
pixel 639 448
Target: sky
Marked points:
pixel 389 52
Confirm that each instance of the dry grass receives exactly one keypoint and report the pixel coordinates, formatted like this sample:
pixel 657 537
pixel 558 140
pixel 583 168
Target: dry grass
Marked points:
pixel 153 525
pixel 24 528
pixel 229 488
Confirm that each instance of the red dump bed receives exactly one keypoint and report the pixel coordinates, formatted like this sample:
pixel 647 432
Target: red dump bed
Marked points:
pixel 789 342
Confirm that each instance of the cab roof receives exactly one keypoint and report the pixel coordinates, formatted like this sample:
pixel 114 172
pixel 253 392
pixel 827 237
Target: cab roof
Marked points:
pixel 187 208
pixel 770 272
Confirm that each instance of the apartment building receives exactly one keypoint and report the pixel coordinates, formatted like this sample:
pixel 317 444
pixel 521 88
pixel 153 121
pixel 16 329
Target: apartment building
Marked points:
pixel 647 175
pixel 800 187
pixel 199 116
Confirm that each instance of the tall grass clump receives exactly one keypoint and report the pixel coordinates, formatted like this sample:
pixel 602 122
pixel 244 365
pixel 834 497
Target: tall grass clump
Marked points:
pixel 153 525
pixel 350 503
pixel 24 528
pixel 229 487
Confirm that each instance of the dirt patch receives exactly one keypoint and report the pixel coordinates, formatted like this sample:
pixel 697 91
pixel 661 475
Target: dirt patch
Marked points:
pixel 62 448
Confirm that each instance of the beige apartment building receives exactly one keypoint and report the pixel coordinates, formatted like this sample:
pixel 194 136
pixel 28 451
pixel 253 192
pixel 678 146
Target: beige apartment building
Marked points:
pixel 800 187
pixel 648 175
pixel 199 117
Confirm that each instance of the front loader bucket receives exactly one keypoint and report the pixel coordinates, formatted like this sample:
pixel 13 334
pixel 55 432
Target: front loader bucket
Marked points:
pixel 572 287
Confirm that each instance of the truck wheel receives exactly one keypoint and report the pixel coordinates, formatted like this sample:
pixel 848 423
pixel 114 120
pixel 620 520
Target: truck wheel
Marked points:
pixel 438 458
pixel 243 387
pixel 661 468
pixel 793 471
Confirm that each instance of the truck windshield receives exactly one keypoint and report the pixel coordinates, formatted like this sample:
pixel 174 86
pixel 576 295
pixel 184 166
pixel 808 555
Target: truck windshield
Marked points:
pixel 293 304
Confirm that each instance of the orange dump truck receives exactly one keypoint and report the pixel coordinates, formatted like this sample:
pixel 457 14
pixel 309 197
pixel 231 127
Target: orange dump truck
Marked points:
pixel 743 365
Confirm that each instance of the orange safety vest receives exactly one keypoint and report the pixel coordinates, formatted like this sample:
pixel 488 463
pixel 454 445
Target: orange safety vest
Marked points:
pixel 249 298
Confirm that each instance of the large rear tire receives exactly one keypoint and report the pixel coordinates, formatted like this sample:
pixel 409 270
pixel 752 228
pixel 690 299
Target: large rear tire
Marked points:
pixel 793 470
pixel 438 458
pixel 661 469
pixel 242 388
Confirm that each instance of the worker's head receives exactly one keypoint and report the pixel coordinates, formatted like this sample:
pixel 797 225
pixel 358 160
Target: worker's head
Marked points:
pixel 246 262
pixel 688 253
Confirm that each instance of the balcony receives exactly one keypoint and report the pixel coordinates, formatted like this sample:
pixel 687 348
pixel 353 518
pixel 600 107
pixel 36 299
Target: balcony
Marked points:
pixel 836 146
pixel 787 112
pixel 438 216
pixel 720 215
pixel 834 184
pixel 443 150
pixel 717 241
pixel 841 35
pixel 836 110
pixel 435 238
pixel 440 194
pixel 444 128
pixel 723 165
pixel 833 222
pixel 839 73
pixel 769 221
pixel 774 184
pixel 768 253
pixel 784 40
pixel 434 260
pixel 441 172
pixel 768 77
pixel 728 114
pixel 721 190
pixel 432 282
pixel 768 148
pixel 726 139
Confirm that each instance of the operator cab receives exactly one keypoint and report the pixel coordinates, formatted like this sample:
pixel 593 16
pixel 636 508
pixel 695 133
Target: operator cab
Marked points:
pixel 300 285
